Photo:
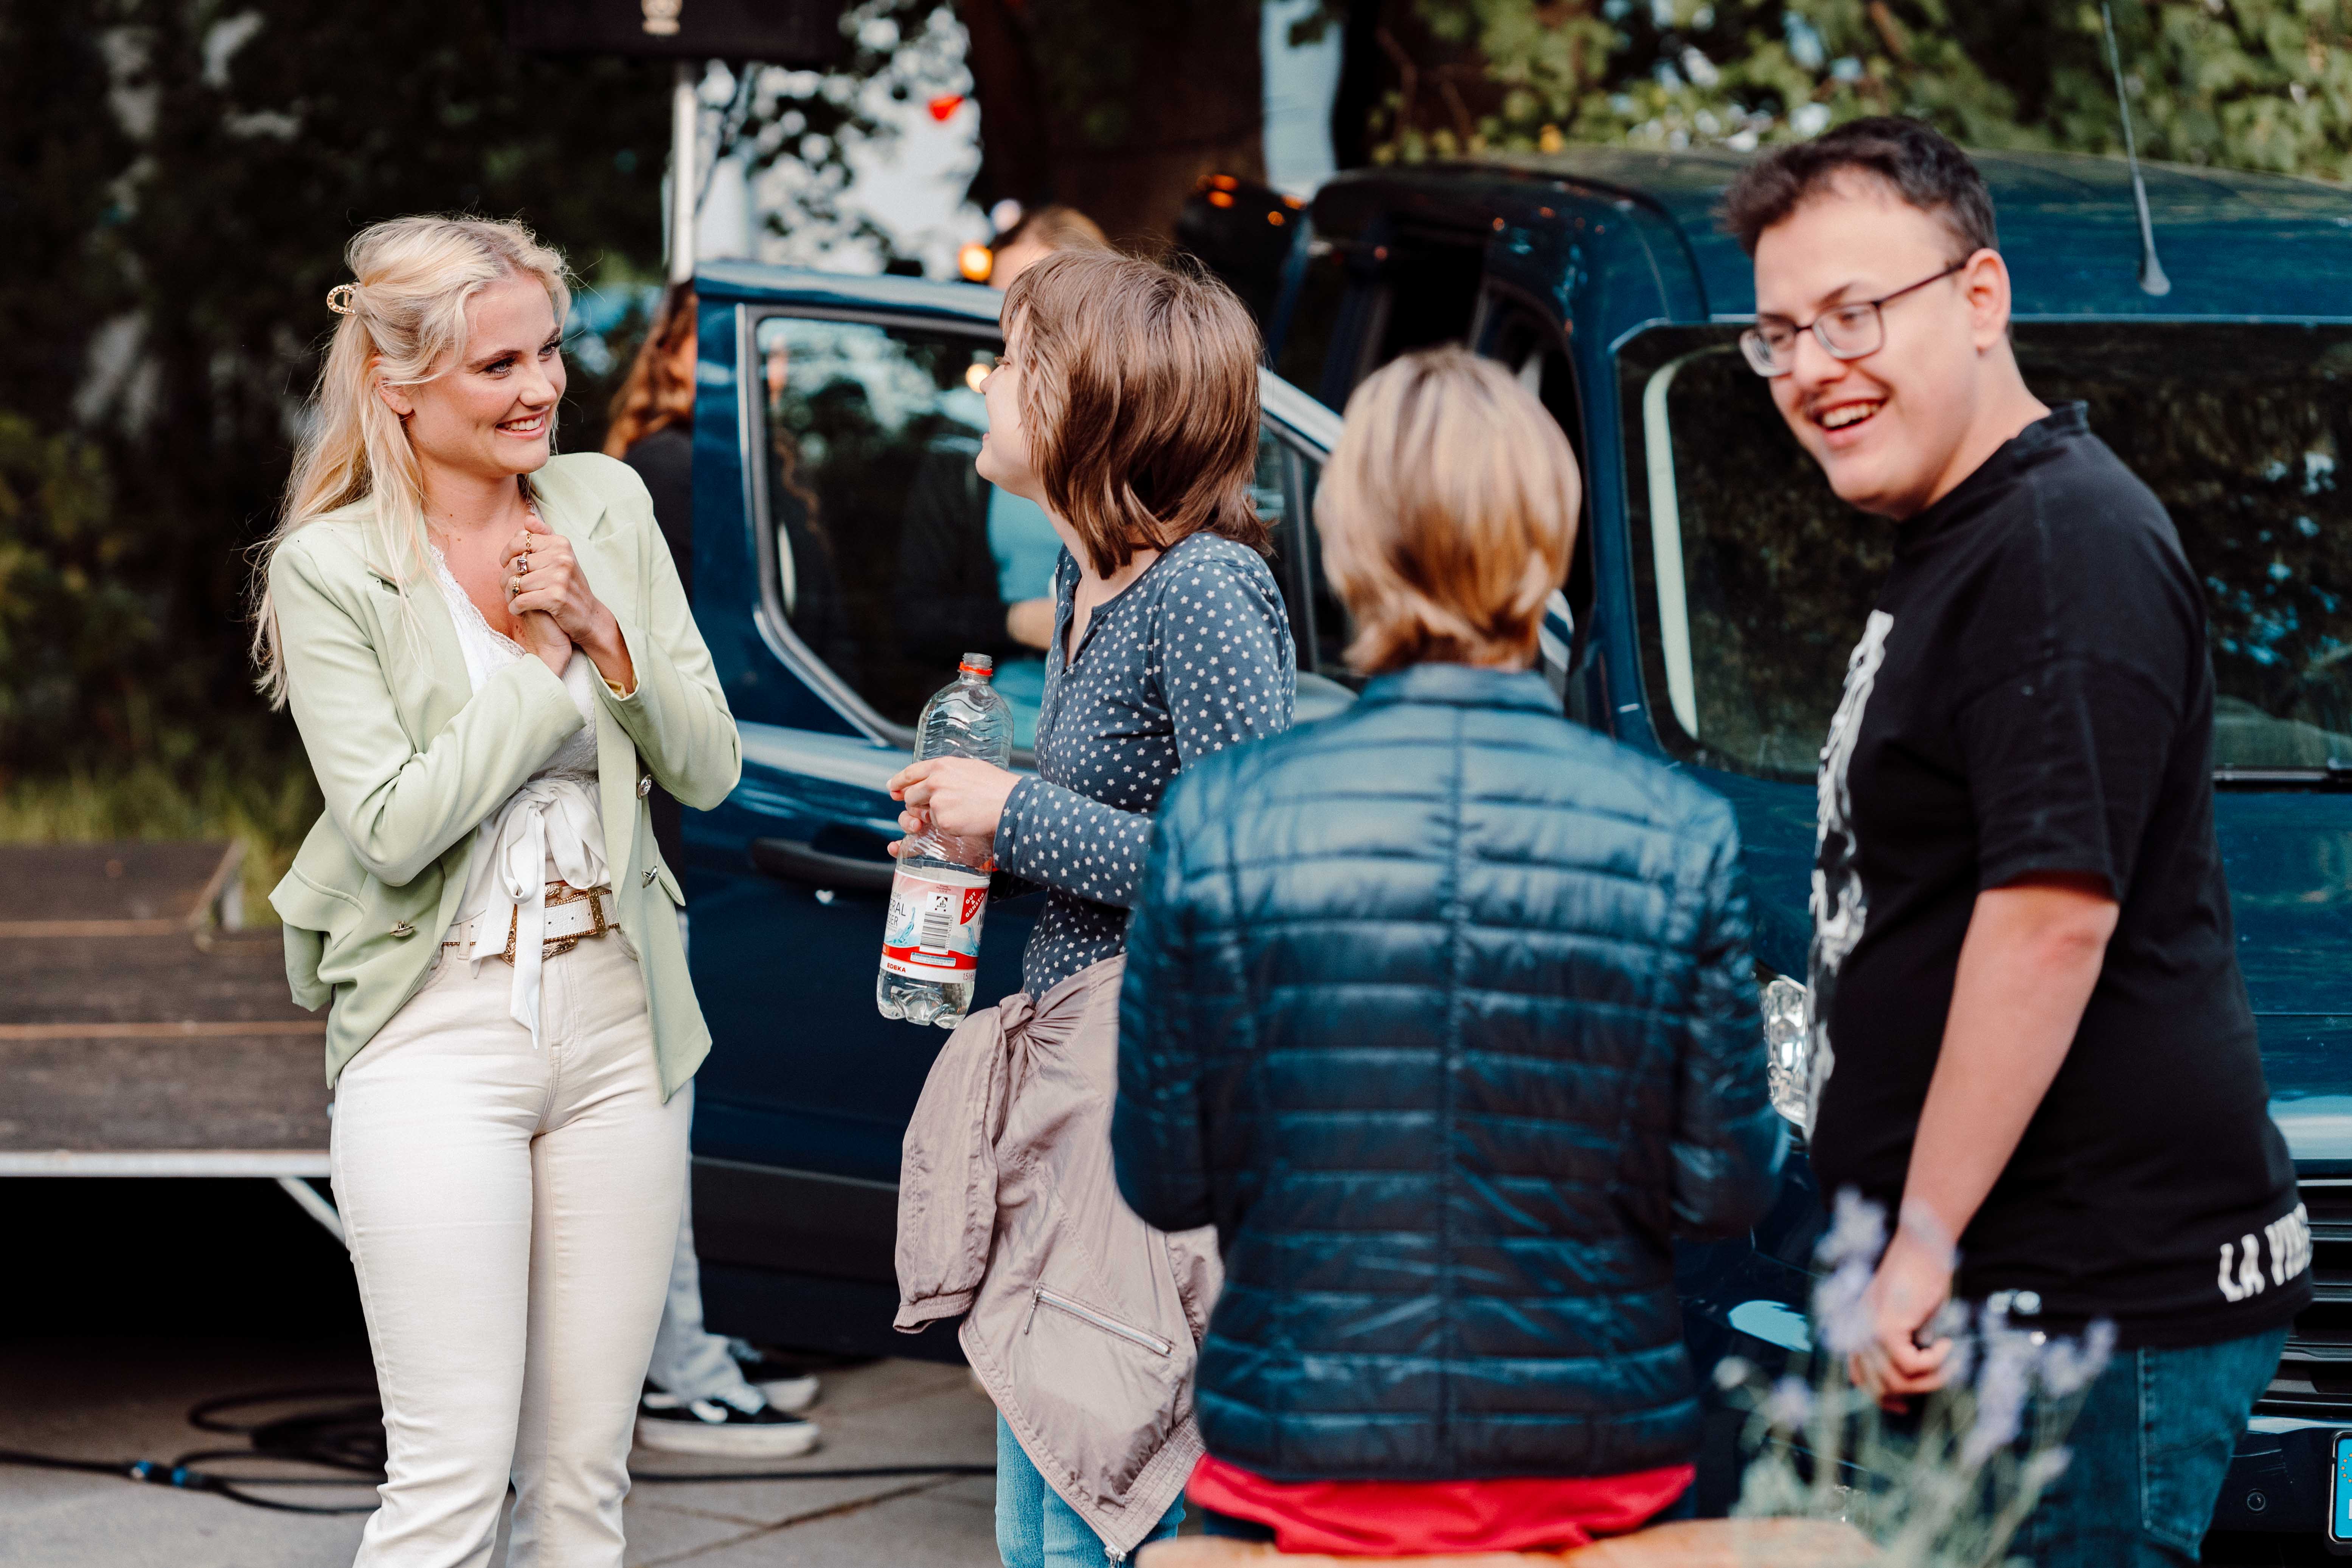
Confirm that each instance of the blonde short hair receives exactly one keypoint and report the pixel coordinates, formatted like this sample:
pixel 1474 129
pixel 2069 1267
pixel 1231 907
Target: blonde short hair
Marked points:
pixel 1447 511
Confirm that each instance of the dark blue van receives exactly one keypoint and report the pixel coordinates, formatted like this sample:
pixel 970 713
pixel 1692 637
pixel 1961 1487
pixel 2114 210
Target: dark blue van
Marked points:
pixel 843 559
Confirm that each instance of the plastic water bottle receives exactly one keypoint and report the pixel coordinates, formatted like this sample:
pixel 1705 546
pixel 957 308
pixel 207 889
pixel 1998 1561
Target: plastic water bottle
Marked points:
pixel 930 943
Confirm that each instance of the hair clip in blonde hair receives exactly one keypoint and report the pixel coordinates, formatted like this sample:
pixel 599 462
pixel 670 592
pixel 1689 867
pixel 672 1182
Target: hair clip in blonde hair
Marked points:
pixel 344 298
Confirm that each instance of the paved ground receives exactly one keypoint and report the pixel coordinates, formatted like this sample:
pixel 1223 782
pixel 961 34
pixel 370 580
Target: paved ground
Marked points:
pixel 128 1398
pixel 130 1028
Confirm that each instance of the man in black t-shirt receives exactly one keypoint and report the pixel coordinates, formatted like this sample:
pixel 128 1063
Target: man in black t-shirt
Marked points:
pixel 2028 1029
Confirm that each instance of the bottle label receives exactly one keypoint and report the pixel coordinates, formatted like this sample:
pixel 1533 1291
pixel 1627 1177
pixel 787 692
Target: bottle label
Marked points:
pixel 933 930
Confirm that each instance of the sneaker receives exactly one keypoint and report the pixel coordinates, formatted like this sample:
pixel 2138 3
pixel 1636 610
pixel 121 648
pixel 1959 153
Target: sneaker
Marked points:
pixel 717 1429
pixel 789 1384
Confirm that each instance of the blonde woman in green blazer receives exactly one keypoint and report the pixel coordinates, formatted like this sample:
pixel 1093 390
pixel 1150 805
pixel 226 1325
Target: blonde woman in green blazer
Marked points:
pixel 487 653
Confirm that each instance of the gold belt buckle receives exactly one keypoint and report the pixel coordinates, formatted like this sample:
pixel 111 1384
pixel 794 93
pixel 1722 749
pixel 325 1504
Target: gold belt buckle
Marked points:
pixel 556 946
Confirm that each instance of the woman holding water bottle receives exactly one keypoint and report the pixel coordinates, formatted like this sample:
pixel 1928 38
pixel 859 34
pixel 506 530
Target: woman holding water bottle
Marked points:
pixel 1125 406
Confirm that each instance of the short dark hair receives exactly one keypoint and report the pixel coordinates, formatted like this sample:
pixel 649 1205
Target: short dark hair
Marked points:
pixel 1919 161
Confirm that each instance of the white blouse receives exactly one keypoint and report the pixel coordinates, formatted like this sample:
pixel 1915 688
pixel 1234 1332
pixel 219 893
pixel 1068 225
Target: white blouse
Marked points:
pixel 549 830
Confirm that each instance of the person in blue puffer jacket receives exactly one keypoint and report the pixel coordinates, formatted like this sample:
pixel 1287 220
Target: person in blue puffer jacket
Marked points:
pixel 1440 1010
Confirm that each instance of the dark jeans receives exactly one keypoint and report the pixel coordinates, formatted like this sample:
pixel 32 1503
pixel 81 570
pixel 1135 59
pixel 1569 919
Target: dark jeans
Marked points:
pixel 2149 1450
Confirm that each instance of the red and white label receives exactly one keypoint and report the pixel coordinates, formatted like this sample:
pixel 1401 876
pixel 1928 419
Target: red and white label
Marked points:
pixel 933 930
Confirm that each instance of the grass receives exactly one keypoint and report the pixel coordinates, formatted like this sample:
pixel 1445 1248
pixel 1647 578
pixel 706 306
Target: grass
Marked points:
pixel 267 806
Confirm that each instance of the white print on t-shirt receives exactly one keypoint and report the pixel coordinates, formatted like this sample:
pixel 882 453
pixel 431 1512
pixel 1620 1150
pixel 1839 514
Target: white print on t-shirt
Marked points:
pixel 2288 1240
pixel 1839 910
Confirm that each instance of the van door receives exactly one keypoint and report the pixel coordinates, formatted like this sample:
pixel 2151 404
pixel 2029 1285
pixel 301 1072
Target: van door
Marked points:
pixel 846 554
pixel 1526 339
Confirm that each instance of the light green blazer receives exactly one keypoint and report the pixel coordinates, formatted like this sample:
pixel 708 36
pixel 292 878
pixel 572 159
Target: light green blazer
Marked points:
pixel 411 759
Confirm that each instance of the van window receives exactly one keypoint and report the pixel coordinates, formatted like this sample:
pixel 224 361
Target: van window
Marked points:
pixel 1430 286
pixel 888 555
pixel 1286 477
pixel 1310 318
pixel 1533 350
pixel 1754 580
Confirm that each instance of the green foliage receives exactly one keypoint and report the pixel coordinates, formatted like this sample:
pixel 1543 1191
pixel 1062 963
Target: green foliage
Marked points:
pixel 265 801
pixel 2254 84
pixel 182 178
pixel 67 614
pixel 797 127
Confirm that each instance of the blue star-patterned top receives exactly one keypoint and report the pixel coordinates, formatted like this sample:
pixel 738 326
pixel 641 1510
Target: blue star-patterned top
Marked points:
pixel 1192 657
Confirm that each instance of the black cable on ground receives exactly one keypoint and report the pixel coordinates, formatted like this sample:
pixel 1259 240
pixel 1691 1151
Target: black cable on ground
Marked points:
pixel 642 1478
pixel 348 1434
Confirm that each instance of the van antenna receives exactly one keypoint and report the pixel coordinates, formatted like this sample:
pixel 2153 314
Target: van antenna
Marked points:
pixel 2152 279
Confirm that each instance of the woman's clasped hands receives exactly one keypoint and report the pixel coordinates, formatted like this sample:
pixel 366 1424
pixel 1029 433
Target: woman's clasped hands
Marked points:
pixel 550 600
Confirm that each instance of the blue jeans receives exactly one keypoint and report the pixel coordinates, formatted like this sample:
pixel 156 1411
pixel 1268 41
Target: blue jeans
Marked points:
pixel 1035 1529
pixel 2151 1450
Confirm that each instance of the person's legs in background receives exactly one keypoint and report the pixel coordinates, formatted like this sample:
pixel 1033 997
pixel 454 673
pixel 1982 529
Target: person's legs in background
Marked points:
pixel 2148 1454
pixel 713 1395
pixel 1035 1529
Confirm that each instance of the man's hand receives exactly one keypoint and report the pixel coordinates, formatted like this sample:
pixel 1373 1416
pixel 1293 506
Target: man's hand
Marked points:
pixel 1913 1282
pixel 962 798
pixel 2028 966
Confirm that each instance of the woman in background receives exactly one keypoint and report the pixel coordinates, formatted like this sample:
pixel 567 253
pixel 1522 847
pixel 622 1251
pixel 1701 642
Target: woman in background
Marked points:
pixel 1440 1010
pixel 1126 406
pixel 652 431
pixel 711 1395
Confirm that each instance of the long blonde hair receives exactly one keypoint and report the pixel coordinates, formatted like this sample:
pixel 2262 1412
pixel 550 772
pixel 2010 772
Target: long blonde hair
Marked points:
pixel 403 323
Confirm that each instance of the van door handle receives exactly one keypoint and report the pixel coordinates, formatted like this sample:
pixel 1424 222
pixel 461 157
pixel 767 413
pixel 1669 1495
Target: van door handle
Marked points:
pixel 793 861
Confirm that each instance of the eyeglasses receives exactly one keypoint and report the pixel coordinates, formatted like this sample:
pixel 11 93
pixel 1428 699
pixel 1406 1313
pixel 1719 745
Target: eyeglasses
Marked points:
pixel 1847 332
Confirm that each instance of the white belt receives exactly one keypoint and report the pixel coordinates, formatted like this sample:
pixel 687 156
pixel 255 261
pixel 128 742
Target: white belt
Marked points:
pixel 573 916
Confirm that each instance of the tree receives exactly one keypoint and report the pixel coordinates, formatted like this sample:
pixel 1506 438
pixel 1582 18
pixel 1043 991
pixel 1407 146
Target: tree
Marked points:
pixel 184 178
pixel 1117 106
pixel 2256 84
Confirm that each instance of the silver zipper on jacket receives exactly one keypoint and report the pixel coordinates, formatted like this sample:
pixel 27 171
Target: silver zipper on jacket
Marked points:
pixel 1039 1295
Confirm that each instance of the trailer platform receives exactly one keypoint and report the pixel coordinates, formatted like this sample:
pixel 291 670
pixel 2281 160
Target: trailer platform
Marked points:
pixel 142 1032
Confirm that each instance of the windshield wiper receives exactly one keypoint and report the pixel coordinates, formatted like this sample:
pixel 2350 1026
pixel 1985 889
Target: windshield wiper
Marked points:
pixel 2335 774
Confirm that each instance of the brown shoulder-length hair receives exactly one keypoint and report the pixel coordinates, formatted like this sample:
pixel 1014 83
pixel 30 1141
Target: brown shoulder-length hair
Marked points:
pixel 1447 511
pixel 653 396
pixel 1138 389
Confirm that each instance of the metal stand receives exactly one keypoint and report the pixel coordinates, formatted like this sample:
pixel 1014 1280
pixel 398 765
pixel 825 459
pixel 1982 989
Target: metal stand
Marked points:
pixel 684 127
pixel 317 1207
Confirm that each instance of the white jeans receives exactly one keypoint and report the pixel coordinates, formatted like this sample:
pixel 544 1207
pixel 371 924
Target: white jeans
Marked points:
pixel 512 1214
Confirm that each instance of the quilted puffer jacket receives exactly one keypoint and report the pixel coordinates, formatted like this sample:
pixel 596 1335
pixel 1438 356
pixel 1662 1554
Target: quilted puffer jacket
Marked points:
pixel 1442 1012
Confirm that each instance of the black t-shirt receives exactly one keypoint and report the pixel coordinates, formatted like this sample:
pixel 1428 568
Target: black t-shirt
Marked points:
pixel 2033 694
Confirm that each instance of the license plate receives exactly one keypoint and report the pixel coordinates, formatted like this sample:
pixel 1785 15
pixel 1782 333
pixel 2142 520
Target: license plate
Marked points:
pixel 2339 1497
